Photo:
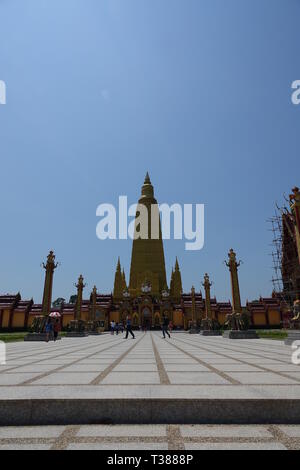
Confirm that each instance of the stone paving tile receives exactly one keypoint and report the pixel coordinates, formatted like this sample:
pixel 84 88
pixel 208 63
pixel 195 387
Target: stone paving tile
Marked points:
pixel 16 378
pixel 132 378
pixel 185 368
pixel 187 361
pixel 62 378
pixel 140 361
pixel 236 368
pixel 25 446
pixel 39 432
pixel 120 446
pixel 85 368
pixel 291 431
pixel 208 378
pixel 95 361
pixel 260 378
pixel 296 375
pixel 35 368
pixel 124 367
pixel 235 446
pixel 227 431
pixel 5 367
pixel 124 430
pixel 218 361
pixel 284 367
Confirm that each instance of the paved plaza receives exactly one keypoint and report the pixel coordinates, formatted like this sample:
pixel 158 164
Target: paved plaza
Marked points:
pixel 151 437
pixel 189 392
pixel 150 360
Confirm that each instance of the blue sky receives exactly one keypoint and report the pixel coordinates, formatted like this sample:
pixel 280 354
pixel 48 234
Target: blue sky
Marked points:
pixel 198 92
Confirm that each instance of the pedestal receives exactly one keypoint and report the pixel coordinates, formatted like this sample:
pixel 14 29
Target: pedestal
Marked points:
pixel 193 331
pixel 38 337
pixel 210 333
pixel 77 334
pixel 240 334
pixel 293 335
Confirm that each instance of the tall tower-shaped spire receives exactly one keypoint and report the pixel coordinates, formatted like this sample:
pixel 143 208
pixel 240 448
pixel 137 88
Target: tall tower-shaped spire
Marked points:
pixel 177 283
pixel 118 285
pixel 147 259
pixel 124 285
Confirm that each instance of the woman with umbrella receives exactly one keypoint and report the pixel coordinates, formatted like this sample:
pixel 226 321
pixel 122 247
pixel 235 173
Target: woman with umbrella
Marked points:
pixel 56 326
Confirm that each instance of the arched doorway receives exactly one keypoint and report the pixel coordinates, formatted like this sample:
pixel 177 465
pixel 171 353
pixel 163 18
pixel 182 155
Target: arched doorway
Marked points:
pixel 146 318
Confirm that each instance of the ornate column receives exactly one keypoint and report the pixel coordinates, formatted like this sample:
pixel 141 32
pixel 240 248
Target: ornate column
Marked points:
pixel 207 286
pixel 193 306
pixel 233 265
pixel 49 267
pixel 93 306
pixel 80 286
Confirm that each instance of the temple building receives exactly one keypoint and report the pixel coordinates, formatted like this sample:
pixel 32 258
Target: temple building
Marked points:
pixel 290 239
pixel 147 295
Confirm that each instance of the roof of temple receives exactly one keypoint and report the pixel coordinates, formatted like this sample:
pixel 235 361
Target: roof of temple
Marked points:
pixel 9 300
pixel 24 306
pixel 263 303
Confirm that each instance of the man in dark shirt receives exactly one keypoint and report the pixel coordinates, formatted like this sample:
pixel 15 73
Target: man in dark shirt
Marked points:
pixel 165 326
pixel 128 327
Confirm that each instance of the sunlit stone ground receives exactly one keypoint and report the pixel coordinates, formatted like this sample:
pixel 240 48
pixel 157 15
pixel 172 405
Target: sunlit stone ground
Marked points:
pixel 188 364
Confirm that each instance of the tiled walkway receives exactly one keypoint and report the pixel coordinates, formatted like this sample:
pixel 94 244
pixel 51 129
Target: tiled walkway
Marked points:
pixel 189 366
pixel 149 359
pixel 151 437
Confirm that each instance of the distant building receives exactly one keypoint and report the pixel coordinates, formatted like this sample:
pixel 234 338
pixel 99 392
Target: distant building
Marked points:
pixel 146 298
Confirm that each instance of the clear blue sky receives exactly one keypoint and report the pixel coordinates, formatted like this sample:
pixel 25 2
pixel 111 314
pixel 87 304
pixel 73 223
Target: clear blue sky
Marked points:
pixel 198 92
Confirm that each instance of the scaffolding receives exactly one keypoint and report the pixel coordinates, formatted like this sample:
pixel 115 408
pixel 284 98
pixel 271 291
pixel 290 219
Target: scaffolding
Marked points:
pixel 284 265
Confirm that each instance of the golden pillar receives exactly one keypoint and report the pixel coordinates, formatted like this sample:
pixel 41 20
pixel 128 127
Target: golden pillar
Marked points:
pixel 49 267
pixel 207 285
pixel 235 288
pixel 193 306
pixel 80 286
pixel 295 207
pixel 93 304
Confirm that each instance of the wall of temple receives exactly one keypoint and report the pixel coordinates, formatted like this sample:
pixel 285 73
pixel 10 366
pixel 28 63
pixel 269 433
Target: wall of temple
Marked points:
pixel 264 313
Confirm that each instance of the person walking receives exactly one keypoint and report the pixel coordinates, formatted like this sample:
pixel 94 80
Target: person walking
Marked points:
pixel 49 330
pixel 128 327
pixel 56 329
pixel 112 326
pixel 117 328
pixel 165 326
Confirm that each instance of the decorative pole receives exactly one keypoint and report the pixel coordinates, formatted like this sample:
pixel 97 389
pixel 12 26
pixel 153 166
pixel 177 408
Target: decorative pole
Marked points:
pixel 80 286
pixel 207 285
pixel 193 306
pixel 49 267
pixel 233 265
pixel 94 300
